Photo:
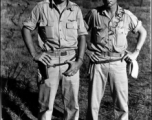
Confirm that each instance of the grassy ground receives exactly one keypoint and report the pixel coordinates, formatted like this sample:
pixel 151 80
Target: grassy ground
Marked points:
pixel 18 71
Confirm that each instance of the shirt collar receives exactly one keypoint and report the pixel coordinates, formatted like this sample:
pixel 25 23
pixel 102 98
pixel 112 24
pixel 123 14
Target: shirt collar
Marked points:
pixel 69 4
pixel 119 13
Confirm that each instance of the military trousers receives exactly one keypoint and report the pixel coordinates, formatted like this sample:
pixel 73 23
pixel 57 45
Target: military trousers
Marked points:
pixel 116 74
pixel 48 90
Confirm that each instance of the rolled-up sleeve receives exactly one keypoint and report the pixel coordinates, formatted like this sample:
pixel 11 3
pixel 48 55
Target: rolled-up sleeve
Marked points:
pixel 81 27
pixel 33 19
pixel 134 23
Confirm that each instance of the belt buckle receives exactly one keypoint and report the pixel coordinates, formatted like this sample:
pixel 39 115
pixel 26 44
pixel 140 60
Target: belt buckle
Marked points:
pixel 105 54
pixel 109 54
pixel 56 53
pixel 64 53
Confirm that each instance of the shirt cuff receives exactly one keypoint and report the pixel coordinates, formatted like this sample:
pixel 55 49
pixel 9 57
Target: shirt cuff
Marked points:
pixel 82 32
pixel 29 25
pixel 137 27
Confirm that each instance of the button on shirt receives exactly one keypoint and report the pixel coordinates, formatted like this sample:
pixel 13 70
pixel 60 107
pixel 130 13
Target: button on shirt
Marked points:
pixel 109 35
pixel 56 30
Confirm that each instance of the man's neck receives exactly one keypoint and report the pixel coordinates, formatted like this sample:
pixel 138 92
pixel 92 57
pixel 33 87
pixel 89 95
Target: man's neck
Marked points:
pixel 61 5
pixel 112 10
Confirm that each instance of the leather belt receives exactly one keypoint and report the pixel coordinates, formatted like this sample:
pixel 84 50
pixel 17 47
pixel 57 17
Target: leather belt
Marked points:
pixel 106 61
pixel 112 54
pixel 59 64
pixel 61 53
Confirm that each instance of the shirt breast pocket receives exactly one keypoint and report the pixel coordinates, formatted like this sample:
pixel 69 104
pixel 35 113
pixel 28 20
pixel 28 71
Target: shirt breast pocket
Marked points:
pixel 120 37
pixel 48 29
pixel 71 30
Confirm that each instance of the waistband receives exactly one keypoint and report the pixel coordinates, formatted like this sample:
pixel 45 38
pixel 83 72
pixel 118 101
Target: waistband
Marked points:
pixel 118 57
pixel 112 54
pixel 58 53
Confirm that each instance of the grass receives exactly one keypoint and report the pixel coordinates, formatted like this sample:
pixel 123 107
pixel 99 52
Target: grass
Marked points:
pixel 18 71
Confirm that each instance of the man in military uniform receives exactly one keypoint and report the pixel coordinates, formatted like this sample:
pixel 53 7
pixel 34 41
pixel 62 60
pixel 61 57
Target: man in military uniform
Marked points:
pixel 109 25
pixel 60 32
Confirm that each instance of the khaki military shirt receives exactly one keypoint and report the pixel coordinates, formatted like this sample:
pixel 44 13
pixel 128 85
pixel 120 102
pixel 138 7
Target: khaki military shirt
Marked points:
pixel 109 35
pixel 56 30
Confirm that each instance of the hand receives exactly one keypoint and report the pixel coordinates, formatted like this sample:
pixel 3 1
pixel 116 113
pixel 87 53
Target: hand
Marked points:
pixel 130 56
pixel 92 56
pixel 44 58
pixel 74 66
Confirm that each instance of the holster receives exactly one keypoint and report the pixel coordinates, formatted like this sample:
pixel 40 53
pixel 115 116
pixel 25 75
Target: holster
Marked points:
pixel 43 70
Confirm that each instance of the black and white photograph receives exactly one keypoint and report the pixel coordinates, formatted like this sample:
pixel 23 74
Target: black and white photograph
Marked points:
pixel 76 60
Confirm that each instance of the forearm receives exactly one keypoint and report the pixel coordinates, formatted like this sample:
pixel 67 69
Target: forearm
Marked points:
pixel 81 47
pixel 26 33
pixel 141 39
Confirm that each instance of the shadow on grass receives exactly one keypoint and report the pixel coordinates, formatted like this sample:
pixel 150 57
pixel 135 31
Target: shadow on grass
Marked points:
pixel 19 102
pixel 18 99
pixel 6 116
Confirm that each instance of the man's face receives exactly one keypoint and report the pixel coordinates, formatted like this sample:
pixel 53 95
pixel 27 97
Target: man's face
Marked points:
pixel 109 3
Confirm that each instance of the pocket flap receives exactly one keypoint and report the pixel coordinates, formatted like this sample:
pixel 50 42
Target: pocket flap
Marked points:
pixel 99 28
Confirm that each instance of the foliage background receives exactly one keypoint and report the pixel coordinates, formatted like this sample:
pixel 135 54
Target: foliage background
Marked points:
pixel 18 71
